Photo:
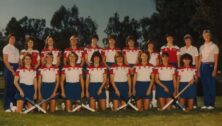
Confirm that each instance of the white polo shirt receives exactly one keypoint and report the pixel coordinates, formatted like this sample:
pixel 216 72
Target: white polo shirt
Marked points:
pixel 26 76
pixel 96 73
pixel 110 54
pixel 72 74
pixel 191 50
pixel 48 74
pixel 120 73
pixel 153 58
pixel 186 74
pixel 165 73
pixel 12 52
pixel 207 51
pixel 131 55
pixel 143 72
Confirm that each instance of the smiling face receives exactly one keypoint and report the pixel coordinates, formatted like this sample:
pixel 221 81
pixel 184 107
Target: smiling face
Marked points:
pixel 111 42
pixel 188 41
pixel 12 40
pixel 27 60
pixel 169 39
pixel 30 44
pixel 207 37
pixel 150 46
pixel 49 59
pixel 186 62
pixel 50 41
pixel 96 59
pixel 73 40
pixel 165 59
pixel 94 42
pixel 119 59
pixel 144 57
pixel 131 43
pixel 72 58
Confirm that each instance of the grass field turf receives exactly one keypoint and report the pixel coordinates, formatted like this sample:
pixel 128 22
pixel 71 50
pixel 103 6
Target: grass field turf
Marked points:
pixel 123 118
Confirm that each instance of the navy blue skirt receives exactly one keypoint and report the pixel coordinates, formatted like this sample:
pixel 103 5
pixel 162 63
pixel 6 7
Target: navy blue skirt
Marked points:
pixel 73 91
pixel 191 91
pixel 28 90
pixel 93 90
pixel 123 88
pixel 47 89
pixel 141 90
pixel 160 93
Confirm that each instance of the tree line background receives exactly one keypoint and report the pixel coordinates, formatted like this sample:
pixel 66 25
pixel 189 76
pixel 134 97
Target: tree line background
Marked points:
pixel 176 17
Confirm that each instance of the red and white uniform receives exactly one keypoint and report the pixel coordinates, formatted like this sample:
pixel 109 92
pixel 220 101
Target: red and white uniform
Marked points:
pixel 186 74
pixel 55 53
pixel 173 52
pixel 153 58
pixel 96 73
pixel 89 52
pixel 110 54
pixel 48 74
pixel 35 55
pixel 131 55
pixel 26 76
pixel 78 51
pixel 165 73
pixel 120 73
pixel 144 72
pixel 72 73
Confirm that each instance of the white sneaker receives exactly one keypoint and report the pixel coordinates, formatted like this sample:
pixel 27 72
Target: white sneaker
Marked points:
pixel 63 106
pixel 210 108
pixel 8 110
pixel 194 107
pixel 204 107
pixel 13 108
pixel 154 103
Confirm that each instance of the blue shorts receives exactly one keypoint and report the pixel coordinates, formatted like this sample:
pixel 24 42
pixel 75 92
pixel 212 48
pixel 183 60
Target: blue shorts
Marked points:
pixel 191 91
pixel 160 93
pixel 123 88
pixel 141 89
pixel 73 91
pixel 28 91
pixel 47 89
pixel 93 90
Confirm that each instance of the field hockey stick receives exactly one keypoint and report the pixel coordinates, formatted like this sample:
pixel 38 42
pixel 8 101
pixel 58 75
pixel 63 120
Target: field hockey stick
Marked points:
pixel 43 101
pixel 175 98
pixel 82 105
pixel 34 105
pixel 128 103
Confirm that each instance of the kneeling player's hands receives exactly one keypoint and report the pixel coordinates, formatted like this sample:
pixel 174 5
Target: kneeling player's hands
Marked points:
pixel 21 94
pixel 166 89
pixel 148 92
pixel 117 92
pixel 99 91
pixel 35 96
pixel 63 95
pixel 87 94
pixel 82 94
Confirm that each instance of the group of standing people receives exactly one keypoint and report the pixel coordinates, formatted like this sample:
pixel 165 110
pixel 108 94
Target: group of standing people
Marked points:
pixel 109 74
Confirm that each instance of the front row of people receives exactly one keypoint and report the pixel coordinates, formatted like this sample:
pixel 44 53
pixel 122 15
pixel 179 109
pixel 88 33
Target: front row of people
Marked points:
pixel 121 80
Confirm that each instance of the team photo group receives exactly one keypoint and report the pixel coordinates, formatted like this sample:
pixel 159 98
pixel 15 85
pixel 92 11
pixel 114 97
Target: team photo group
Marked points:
pixel 98 79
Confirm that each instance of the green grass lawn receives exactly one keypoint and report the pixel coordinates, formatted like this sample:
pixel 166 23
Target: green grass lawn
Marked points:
pixel 124 118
